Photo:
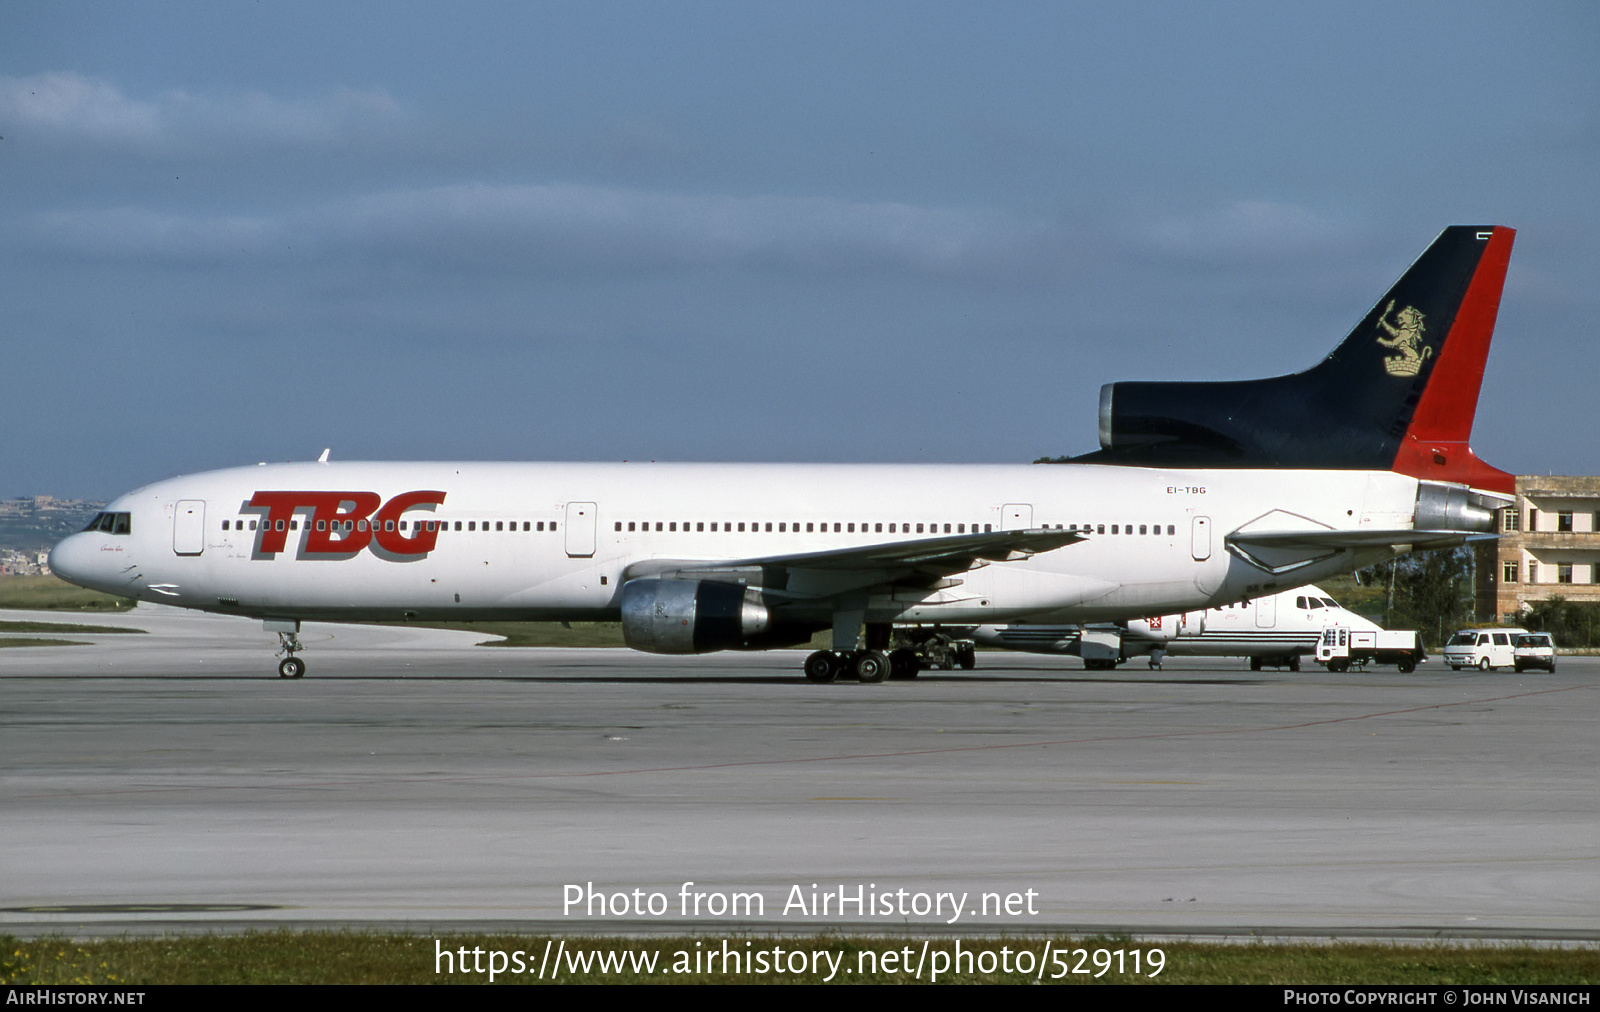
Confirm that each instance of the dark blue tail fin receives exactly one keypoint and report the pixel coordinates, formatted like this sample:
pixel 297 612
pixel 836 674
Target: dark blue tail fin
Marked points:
pixel 1398 394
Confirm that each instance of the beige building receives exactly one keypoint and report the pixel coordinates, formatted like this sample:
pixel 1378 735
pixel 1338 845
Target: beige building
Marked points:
pixel 1549 545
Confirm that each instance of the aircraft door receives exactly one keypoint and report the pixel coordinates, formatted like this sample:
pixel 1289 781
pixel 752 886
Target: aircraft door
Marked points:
pixel 189 527
pixel 1016 516
pixel 1200 539
pixel 580 529
pixel 1267 611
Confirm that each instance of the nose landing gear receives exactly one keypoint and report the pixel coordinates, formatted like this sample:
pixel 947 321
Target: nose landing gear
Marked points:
pixel 288 645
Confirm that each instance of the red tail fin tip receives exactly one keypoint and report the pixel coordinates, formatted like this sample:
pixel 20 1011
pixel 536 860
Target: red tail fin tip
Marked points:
pixel 1436 443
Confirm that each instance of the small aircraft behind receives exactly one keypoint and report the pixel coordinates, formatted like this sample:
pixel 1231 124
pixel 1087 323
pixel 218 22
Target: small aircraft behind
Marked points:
pixel 1277 629
pixel 1201 493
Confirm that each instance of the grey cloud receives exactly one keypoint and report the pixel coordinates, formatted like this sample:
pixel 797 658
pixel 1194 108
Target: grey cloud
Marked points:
pixel 138 233
pixel 1246 231
pixel 75 105
pixel 642 227
pixel 585 226
pixel 71 106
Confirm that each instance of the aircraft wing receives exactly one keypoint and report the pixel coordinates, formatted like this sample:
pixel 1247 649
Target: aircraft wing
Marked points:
pixel 808 573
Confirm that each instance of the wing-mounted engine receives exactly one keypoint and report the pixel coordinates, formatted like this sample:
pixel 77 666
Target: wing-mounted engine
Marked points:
pixel 700 616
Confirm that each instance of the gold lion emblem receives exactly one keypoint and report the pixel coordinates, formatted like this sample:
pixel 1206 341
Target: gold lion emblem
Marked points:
pixel 1405 337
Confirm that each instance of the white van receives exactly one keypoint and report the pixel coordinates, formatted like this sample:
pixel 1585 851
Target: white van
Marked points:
pixel 1484 649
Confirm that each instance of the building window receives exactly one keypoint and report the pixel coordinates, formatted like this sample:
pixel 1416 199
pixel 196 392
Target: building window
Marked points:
pixel 1510 520
pixel 1564 572
pixel 1508 573
pixel 1533 572
pixel 1564 522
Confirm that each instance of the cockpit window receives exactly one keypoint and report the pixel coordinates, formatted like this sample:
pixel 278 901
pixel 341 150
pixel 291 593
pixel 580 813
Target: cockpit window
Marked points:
pixel 111 523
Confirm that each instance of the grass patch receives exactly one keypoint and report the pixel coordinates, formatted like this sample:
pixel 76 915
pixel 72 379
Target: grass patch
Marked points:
pixel 38 641
pixel 312 957
pixel 63 627
pixel 47 593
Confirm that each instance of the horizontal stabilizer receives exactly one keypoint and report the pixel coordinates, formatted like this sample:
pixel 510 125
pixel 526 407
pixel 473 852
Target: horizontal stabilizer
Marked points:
pixel 1284 551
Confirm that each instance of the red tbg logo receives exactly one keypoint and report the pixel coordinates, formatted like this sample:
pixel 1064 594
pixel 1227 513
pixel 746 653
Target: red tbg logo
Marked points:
pixel 343 523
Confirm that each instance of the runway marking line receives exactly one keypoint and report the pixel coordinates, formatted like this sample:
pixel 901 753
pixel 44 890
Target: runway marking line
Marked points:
pixel 486 777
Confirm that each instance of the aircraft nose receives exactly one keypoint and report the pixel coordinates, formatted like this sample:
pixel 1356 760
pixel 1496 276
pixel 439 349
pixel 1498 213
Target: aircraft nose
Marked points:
pixel 77 559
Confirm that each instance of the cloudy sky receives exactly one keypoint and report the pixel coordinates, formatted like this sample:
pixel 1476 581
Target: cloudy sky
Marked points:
pixel 859 231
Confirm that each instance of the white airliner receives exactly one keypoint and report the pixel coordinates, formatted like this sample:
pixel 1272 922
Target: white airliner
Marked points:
pixel 1201 493
pixel 1274 629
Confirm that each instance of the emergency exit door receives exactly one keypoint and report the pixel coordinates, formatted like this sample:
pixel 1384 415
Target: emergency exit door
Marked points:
pixel 1016 516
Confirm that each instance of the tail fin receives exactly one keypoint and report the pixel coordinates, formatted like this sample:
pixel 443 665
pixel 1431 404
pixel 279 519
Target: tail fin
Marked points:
pixel 1398 394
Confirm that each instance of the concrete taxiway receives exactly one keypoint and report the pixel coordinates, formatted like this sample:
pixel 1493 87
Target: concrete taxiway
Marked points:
pixel 169 780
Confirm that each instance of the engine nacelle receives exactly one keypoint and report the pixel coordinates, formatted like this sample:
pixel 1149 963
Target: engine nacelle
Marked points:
pixel 690 616
pixel 1443 507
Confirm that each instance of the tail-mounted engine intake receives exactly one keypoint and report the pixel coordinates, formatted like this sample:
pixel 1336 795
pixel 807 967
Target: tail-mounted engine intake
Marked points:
pixel 690 616
pixel 1455 508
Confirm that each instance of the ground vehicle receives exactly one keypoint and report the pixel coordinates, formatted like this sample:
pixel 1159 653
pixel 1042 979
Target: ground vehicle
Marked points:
pixel 1342 646
pixel 1484 649
pixel 1534 650
pixel 1272 630
pixel 920 648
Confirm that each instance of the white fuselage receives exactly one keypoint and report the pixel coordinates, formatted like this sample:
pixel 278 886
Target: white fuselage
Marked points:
pixel 557 540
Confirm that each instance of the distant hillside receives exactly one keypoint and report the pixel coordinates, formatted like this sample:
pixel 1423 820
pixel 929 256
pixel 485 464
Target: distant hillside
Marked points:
pixel 29 523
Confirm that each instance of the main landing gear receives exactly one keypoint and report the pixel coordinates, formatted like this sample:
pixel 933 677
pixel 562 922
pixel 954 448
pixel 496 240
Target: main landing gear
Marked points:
pixel 865 665
pixel 890 653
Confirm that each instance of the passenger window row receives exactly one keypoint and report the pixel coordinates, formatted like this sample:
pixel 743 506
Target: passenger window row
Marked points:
pixel 107 521
pixel 787 527
pixel 1119 528
pixel 784 527
pixel 390 525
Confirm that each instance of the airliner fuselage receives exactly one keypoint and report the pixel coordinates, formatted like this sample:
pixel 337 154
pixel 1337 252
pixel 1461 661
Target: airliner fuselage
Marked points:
pixel 1201 493
pixel 559 541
